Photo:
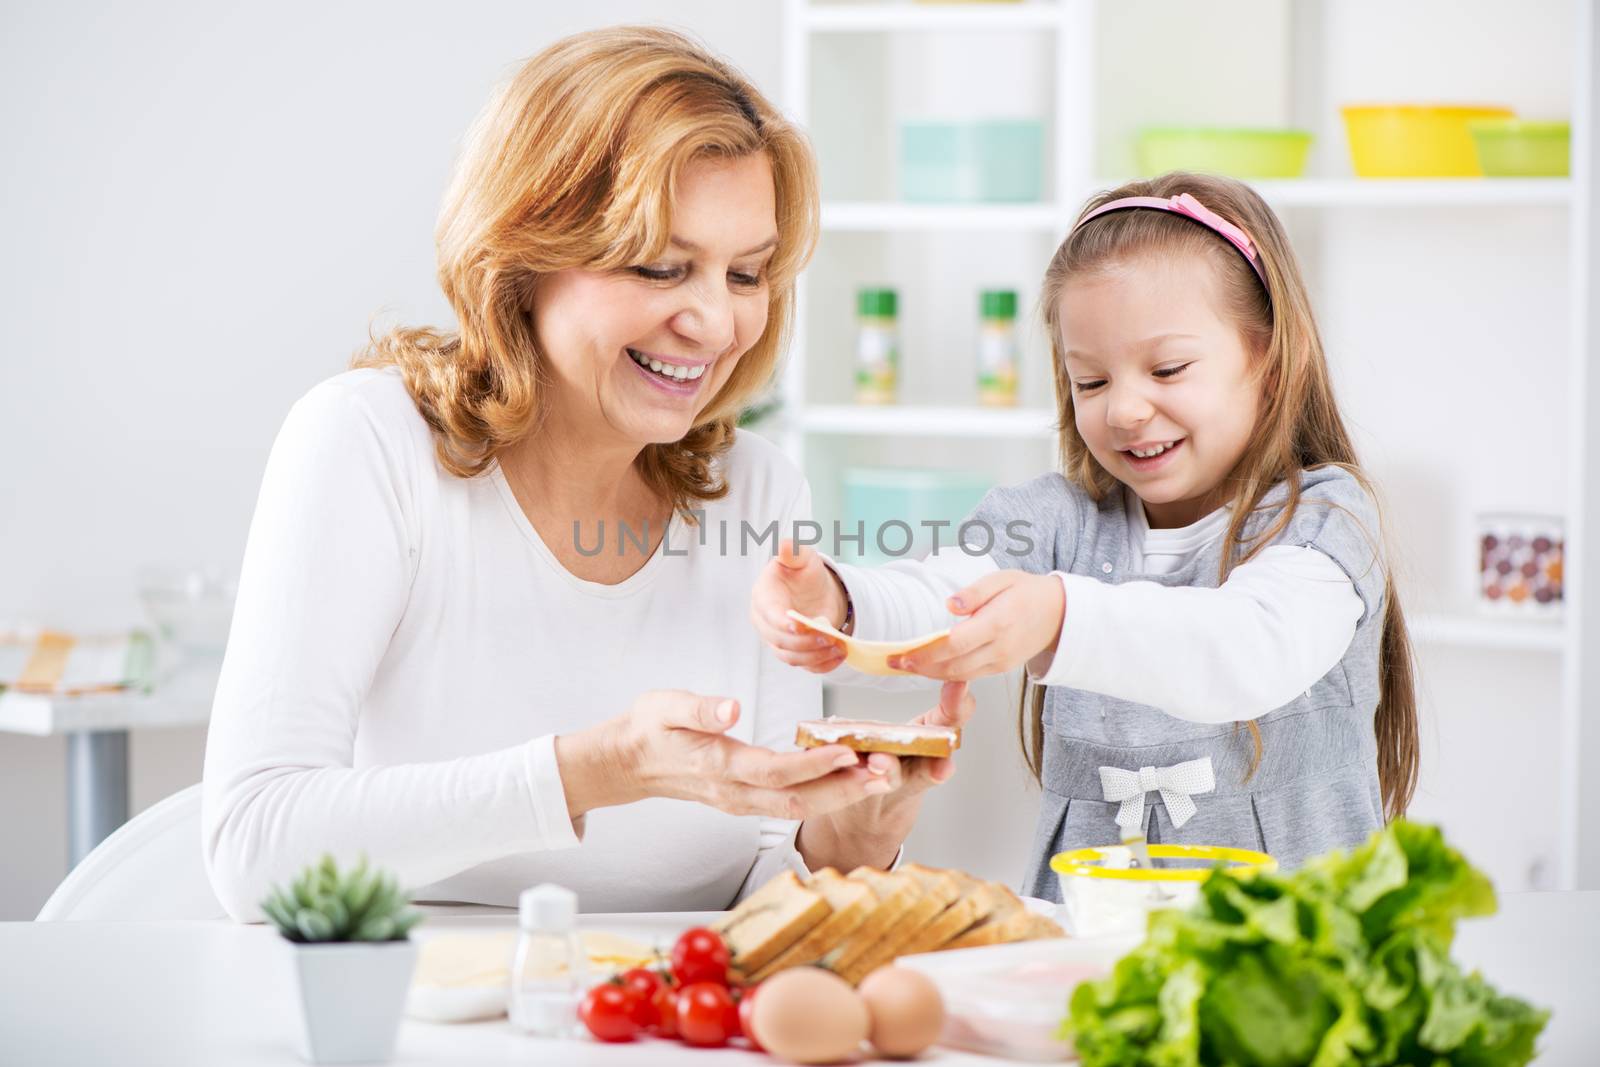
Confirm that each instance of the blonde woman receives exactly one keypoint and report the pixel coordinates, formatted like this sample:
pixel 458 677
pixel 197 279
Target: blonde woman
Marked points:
pixel 490 626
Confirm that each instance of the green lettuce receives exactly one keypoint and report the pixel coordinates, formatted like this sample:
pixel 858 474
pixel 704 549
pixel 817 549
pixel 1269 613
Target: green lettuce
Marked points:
pixel 1344 962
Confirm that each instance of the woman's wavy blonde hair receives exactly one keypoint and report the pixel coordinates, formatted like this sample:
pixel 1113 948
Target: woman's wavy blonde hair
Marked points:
pixel 1298 427
pixel 574 164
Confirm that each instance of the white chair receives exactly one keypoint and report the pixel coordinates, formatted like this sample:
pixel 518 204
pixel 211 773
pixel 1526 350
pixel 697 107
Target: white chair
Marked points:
pixel 150 868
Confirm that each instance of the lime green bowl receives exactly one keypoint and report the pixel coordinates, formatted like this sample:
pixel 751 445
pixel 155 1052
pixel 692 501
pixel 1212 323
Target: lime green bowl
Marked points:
pixel 1236 152
pixel 1513 148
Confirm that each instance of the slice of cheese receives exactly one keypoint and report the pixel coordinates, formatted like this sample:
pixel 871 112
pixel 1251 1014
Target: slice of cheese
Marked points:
pixel 459 960
pixel 868 657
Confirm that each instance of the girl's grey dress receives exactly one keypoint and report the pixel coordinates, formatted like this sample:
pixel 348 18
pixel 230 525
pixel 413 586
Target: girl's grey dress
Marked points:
pixel 1316 787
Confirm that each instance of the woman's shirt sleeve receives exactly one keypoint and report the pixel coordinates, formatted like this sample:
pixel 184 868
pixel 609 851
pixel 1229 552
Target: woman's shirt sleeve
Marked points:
pixel 324 583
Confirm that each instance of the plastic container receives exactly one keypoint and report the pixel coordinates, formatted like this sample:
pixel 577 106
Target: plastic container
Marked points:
pixel 1415 140
pixel 1237 152
pixel 992 161
pixel 877 346
pixel 1512 148
pixel 997 348
pixel 1521 565
pixel 896 510
pixel 1010 1000
pixel 550 970
pixel 1010 160
pixel 1102 895
pixel 192 609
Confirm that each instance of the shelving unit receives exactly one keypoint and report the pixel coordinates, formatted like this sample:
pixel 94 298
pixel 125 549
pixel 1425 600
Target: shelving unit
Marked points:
pixel 869 217
pixel 875 18
pixel 929 421
pixel 1561 656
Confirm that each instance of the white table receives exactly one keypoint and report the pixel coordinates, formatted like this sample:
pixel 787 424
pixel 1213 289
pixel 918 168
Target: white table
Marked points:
pixel 179 993
pixel 96 727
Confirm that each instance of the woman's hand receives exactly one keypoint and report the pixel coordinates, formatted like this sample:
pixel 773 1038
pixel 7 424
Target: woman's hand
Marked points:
pixel 1012 616
pixel 873 830
pixel 673 744
pixel 798 579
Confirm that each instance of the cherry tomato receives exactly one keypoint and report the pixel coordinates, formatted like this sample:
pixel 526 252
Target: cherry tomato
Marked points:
pixel 703 1009
pixel 700 956
pixel 607 1010
pixel 746 1018
pixel 666 1005
pixel 747 1009
pixel 736 995
pixel 645 984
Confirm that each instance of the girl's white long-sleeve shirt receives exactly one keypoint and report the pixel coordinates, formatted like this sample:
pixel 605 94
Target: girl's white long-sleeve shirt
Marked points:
pixel 405 648
pixel 1276 624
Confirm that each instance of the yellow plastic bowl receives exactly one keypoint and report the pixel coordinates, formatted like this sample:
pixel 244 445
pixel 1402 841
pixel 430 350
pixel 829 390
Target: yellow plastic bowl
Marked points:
pixel 1414 140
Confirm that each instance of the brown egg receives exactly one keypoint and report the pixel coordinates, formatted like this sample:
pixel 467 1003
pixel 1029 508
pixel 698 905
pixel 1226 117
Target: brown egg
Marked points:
pixel 907 1011
pixel 809 1015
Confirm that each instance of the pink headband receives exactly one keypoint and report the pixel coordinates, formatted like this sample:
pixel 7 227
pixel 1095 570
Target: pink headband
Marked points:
pixel 1187 206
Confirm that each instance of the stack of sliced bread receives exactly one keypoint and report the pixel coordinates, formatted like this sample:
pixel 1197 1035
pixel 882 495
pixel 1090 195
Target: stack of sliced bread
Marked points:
pixel 853 924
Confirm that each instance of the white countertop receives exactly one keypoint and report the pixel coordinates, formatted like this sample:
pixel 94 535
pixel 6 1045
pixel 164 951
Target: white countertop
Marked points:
pixel 180 697
pixel 213 993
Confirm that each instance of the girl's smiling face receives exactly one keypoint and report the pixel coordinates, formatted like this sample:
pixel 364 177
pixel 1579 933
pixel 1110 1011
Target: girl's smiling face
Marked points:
pixel 1162 385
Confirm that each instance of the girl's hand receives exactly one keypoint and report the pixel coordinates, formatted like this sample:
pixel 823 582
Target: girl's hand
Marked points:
pixel 672 744
pixel 1012 616
pixel 798 579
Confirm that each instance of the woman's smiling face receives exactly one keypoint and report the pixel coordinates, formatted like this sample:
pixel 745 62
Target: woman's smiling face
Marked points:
pixel 635 355
pixel 1162 389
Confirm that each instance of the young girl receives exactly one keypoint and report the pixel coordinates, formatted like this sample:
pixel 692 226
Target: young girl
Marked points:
pixel 1209 558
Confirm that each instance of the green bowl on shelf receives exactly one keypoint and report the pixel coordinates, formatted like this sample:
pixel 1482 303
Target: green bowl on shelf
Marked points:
pixel 1235 151
pixel 1514 148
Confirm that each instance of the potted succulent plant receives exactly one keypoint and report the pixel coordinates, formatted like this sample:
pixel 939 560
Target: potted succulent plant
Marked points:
pixel 352 957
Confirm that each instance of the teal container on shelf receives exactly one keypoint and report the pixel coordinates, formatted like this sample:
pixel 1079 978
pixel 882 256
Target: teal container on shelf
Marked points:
pixel 991 161
pixel 882 498
pixel 1010 160
pixel 933 162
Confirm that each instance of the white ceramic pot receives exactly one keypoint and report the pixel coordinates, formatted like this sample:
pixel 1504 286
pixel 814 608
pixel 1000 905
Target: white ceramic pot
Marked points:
pixel 351 997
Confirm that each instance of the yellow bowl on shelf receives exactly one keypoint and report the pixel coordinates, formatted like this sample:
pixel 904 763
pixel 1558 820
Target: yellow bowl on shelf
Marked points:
pixel 1415 140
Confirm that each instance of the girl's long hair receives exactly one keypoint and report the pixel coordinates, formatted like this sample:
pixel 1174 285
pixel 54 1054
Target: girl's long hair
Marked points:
pixel 573 164
pixel 1298 428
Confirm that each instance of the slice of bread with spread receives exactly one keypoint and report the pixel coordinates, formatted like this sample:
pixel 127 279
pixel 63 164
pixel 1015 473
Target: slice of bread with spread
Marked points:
pixel 870 735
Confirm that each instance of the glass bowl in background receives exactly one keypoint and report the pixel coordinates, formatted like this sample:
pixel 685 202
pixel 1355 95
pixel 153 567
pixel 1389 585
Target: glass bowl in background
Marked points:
pixel 190 609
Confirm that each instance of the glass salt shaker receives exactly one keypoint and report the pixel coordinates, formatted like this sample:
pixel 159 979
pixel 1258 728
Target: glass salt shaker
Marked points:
pixel 550 970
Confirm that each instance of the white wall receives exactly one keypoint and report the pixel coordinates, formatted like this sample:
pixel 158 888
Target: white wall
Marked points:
pixel 204 204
